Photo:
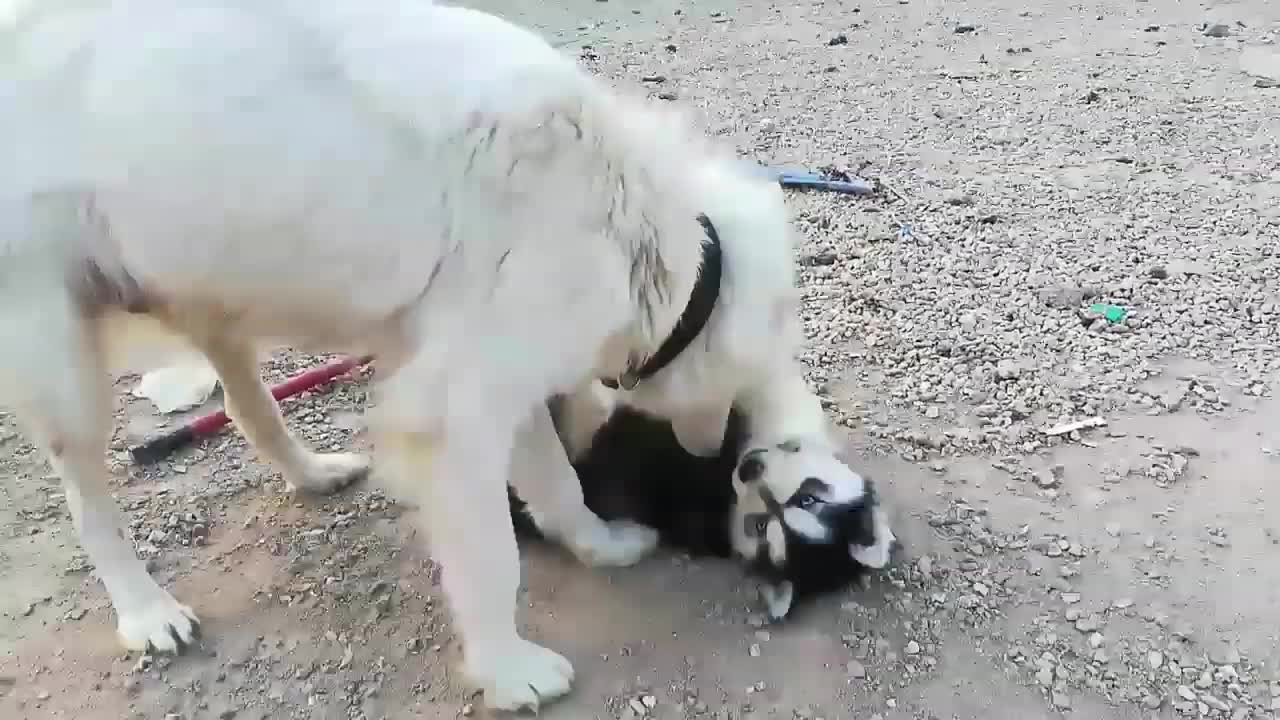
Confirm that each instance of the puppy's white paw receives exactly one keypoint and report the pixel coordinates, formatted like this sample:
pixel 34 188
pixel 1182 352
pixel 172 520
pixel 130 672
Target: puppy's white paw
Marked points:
pixel 325 473
pixel 162 625
pixel 521 677
pixel 617 543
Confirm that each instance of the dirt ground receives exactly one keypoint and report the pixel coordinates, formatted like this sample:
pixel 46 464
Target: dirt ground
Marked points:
pixel 1125 571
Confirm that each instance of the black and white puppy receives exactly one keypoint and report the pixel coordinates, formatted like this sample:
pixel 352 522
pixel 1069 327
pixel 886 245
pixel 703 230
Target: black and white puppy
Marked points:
pixel 796 517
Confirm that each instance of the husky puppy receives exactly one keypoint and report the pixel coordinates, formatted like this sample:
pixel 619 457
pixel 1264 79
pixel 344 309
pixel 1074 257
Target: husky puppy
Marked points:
pixel 429 185
pixel 777 509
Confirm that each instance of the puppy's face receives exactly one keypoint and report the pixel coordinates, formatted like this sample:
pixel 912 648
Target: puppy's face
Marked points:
pixel 801 510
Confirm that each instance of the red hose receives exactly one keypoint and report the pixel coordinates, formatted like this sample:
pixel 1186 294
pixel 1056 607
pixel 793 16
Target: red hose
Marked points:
pixel 161 447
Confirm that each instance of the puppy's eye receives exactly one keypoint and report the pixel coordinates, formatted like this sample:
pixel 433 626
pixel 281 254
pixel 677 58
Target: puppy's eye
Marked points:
pixel 805 500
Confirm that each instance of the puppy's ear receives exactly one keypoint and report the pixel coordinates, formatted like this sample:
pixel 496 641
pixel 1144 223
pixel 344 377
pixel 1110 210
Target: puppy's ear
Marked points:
pixel 876 556
pixel 778 598
pixel 701 433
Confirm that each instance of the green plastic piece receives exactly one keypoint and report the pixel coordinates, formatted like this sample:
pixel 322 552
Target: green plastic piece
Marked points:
pixel 1113 313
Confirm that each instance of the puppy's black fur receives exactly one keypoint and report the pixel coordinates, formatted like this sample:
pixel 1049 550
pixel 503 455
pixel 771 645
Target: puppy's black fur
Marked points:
pixel 637 470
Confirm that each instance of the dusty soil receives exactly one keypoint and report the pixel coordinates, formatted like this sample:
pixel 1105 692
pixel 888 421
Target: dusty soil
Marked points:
pixel 1033 162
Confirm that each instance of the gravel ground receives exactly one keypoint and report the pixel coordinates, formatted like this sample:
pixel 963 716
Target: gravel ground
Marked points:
pixel 1032 164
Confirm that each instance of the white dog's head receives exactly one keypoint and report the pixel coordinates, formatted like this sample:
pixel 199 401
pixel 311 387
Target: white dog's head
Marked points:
pixel 753 330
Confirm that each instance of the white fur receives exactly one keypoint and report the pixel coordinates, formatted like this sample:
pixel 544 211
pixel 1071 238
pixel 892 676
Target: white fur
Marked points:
pixel 430 185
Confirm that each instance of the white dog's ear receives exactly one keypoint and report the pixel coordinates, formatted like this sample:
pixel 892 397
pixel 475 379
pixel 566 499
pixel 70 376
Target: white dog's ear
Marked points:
pixel 701 433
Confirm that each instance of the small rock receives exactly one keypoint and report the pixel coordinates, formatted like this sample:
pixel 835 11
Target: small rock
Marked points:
pixel 1214 703
pixel 912 648
pixel 1061 700
pixel 1217 30
pixel 840 39
pixel 1088 624
pixel 1047 481
pixel 855 669
pixel 754 650
pixel 963 28
pixel 1186 693
pixel 199 534
pixel 1155 659
pixel 925 565
pixel 1224 654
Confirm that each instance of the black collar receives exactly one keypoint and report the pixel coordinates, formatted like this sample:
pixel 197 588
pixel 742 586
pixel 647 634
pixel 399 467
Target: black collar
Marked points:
pixel 702 302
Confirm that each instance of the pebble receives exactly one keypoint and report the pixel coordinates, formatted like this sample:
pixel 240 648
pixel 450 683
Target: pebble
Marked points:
pixel 1224 654
pixel 1088 624
pixel 925 565
pixel 855 669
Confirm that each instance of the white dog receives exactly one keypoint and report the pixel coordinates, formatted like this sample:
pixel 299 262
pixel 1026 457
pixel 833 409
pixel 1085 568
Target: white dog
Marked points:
pixel 427 184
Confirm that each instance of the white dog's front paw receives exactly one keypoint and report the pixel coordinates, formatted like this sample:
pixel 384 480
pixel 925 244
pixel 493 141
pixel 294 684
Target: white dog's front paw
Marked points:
pixel 163 625
pixel 617 543
pixel 325 473
pixel 521 677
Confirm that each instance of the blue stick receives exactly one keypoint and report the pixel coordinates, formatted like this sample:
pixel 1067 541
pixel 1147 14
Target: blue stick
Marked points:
pixel 814 181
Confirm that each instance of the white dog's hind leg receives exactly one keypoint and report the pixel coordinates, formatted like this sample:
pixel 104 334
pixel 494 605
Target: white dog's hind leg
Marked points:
pixel 547 483
pixel 458 478
pixel 255 412
pixel 52 369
